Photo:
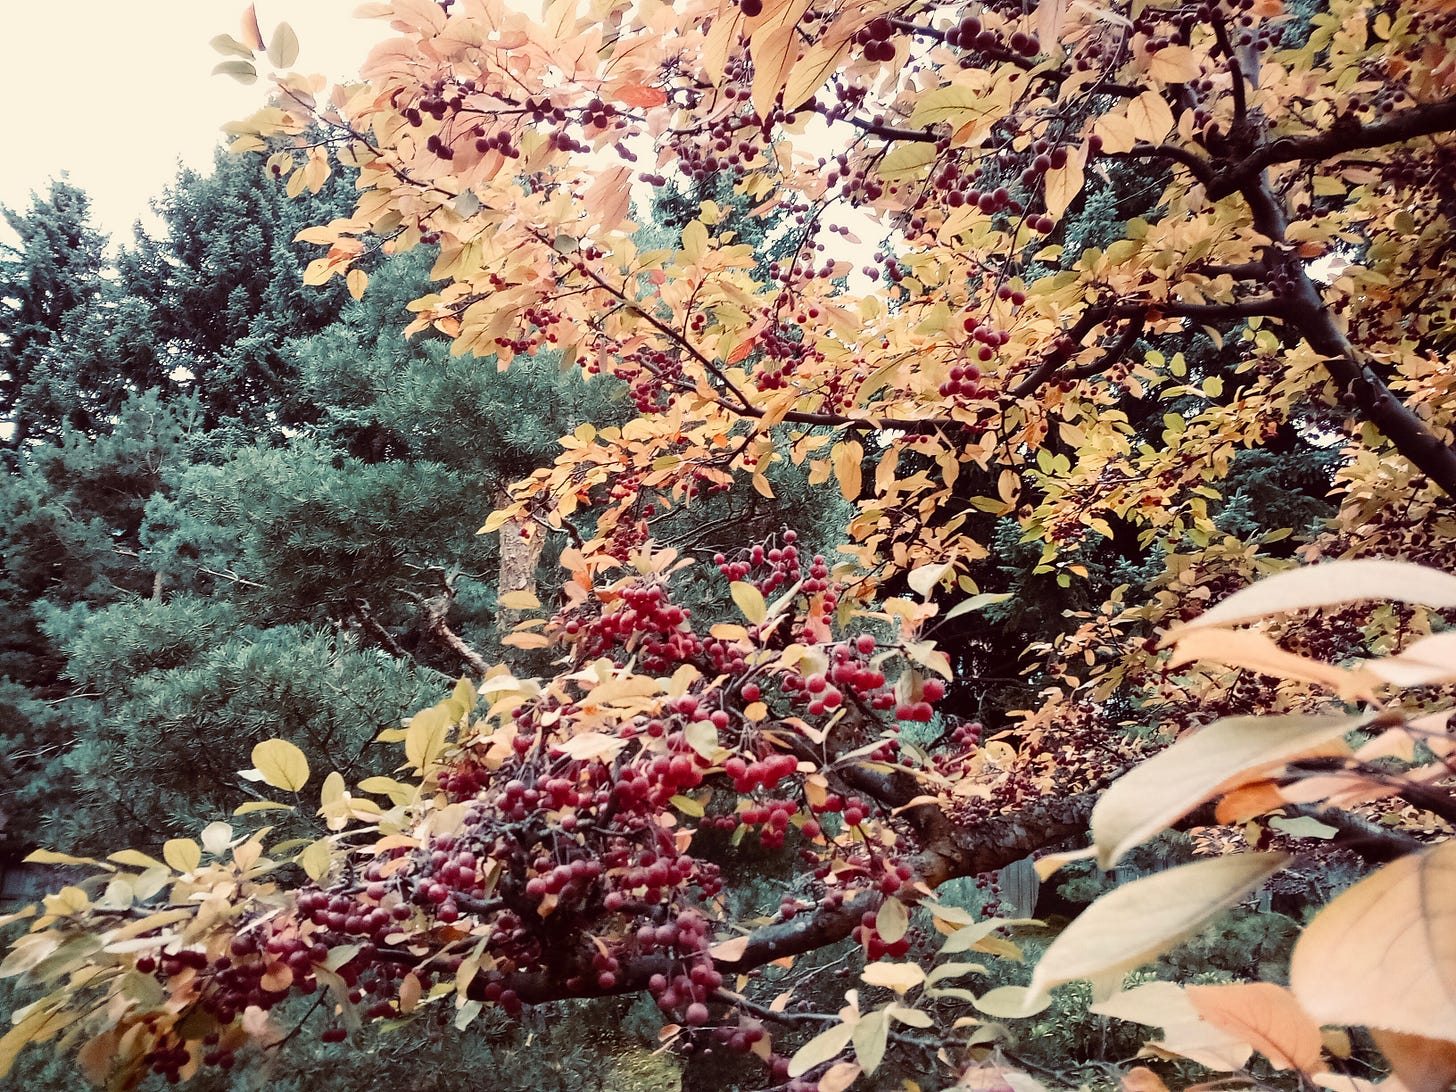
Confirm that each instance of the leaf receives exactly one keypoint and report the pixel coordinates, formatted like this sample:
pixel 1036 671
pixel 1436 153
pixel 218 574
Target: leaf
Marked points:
pixel 1257 652
pixel 870 1035
pixel 729 951
pixel 976 602
pixel 261 805
pixel 899 977
pixel 593 745
pixel 838 1077
pixel 1265 1016
pixel 242 71
pixel 774 49
pixel 216 837
pixel 518 600
pixel 283 46
pixel 1383 953
pixel 135 859
pixel 1172 783
pixel 892 920
pixel 425 736
pixel 316 858
pixel 230 46
pixel 1063 184
pixel 848 459
pixel 183 854
pixel 820 1049
pixel 810 72
pixel 1010 1002
pixel 252 34
pixel 1174 64
pixel 1150 117
pixel 1329 585
pixel 923 578
pixel 282 764
pixel 357 281
pixel 687 805
pixel 750 601
pixel 1139 921
pixel 1419 1064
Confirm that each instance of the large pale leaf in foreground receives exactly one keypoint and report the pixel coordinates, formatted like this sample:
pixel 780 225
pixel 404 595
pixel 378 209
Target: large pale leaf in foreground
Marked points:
pixel 1327 585
pixel 1130 926
pixel 1173 783
pixel 1383 954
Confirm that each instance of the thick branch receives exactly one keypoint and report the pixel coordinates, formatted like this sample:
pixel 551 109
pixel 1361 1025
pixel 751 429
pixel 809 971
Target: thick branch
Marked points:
pixel 1306 313
pixel 955 850
pixel 1426 119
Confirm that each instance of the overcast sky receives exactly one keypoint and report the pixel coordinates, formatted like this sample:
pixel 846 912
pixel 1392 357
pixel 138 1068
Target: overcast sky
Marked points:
pixel 117 92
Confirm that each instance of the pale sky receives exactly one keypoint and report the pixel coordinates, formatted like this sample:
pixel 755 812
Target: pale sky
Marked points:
pixel 117 92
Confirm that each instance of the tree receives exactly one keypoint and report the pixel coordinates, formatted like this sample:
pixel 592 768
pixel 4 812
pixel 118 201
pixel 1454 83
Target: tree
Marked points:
pixel 557 837
pixel 51 269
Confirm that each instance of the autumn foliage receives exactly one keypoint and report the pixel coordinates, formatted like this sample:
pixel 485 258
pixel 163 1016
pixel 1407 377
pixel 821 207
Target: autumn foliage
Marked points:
pixel 1112 248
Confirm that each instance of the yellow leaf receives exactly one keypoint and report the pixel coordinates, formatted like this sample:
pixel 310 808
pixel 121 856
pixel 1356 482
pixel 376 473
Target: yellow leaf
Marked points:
pixel 1382 954
pixel 316 858
pixel 135 859
pixel 1174 782
pixel 1139 921
pixel 750 601
pixel 870 1036
pixel 811 71
pixel 1256 652
pixel 1150 116
pixel 1063 185
pixel 895 976
pixel 906 160
pixel 183 854
pixel 357 280
pixel 1265 1016
pixel 527 640
pixel 820 1049
pixel 848 458
pixel 774 51
pixel 1009 1002
pixel 518 600
pixel 838 1077
pixel 1174 64
pixel 687 805
pixel 892 920
pixel 242 71
pixel 425 736
pixel 281 763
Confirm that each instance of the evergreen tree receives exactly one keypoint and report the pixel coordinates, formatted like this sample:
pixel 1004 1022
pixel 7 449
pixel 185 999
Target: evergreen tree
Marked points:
pixel 51 269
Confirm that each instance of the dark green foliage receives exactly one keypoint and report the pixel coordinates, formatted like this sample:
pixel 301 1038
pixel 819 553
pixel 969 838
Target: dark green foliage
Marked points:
pixel 51 269
pixel 221 291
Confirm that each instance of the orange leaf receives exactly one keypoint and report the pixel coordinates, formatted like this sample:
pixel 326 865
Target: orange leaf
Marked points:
pixel 1265 1016
pixel 1382 954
